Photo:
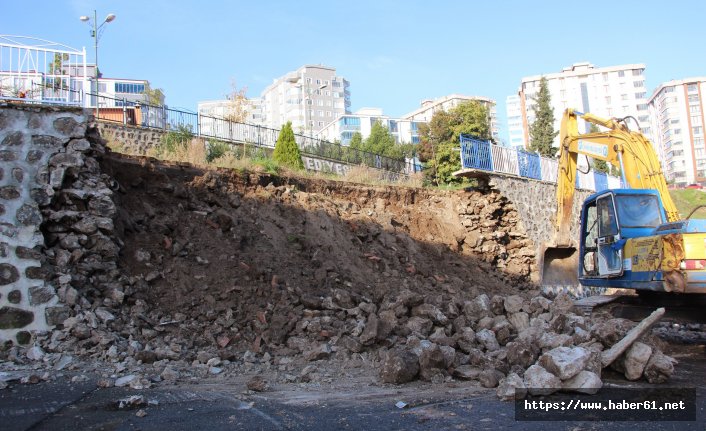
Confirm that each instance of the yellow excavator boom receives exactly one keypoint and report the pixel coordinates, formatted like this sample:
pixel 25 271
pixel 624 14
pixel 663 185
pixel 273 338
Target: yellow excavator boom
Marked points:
pixel 616 144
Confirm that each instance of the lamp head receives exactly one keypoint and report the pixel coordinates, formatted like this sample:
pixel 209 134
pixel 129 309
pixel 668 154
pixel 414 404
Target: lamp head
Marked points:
pixel 110 17
pixel 84 18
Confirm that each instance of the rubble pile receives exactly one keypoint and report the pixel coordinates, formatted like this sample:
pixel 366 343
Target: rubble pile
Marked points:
pixel 166 272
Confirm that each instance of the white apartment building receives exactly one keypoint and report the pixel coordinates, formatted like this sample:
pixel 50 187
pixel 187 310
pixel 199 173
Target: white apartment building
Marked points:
pixel 516 136
pixel 345 126
pixel 616 91
pixel 310 97
pixel 225 108
pixel 429 106
pixel 677 113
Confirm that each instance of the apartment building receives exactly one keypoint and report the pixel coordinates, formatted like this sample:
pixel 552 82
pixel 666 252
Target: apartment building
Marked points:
pixel 428 107
pixel 676 109
pixel 226 108
pixel 615 91
pixel 310 97
pixel 516 136
pixel 345 126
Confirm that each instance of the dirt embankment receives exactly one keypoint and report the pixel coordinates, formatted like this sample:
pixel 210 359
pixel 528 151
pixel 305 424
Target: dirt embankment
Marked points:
pixel 233 259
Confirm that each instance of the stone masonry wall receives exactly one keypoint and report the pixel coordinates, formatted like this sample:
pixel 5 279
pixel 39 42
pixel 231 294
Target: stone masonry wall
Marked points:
pixel 536 203
pixel 131 140
pixel 56 217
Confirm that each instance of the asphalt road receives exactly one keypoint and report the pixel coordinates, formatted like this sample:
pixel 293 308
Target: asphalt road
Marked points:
pixel 62 405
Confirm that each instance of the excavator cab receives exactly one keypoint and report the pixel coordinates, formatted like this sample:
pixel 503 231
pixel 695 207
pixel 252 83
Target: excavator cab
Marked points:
pixel 608 220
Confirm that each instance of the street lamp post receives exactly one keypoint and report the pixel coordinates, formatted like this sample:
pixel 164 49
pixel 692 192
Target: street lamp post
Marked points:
pixel 96 34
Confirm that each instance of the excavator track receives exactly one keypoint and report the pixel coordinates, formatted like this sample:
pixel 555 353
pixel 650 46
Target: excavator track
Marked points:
pixel 680 309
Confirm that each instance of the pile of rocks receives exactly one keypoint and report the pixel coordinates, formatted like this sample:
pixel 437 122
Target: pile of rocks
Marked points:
pixel 511 343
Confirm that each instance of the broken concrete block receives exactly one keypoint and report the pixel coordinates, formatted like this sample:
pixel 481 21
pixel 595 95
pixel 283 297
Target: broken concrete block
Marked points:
pixel 510 387
pixel 635 359
pixel 585 382
pixel 565 362
pixel 539 381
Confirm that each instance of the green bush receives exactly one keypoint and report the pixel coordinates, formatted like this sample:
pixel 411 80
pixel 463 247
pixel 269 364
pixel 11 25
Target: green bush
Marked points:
pixel 175 139
pixel 217 149
pixel 286 150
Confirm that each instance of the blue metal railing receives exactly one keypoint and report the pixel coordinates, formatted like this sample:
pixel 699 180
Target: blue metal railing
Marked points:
pixel 483 155
pixel 475 154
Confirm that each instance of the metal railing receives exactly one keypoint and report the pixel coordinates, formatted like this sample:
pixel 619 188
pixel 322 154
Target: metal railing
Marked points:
pixel 168 119
pixel 483 155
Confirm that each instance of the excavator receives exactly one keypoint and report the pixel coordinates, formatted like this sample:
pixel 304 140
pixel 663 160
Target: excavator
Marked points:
pixel 631 237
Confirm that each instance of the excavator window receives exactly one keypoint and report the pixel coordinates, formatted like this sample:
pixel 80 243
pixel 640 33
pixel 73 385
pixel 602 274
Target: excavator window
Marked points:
pixel 638 211
pixel 607 224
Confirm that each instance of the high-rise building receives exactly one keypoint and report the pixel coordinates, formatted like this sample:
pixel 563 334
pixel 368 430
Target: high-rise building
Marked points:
pixel 310 97
pixel 428 107
pixel 516 137
pixel 616 91
pixel 677 112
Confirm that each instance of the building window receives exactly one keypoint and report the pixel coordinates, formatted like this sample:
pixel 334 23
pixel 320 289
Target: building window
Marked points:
pixel 697 130
pixel 691 88
pixel 623 97
pixel 607 100
pixel 640 95
pixel 130 88
pixel 642 107
pixel 636 72
pixel 318 82
pixel 621 74
pixel 605 76
pixel 350 121
pixel 638 84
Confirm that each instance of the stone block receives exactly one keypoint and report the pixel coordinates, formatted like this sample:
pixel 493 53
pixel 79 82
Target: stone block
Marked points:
pixel 41 294
pixel 511 387
pixel 14 297
pixel 539 381
pixel 513 304
pixel 15 318
pixel 56 315
pixel 14 139
pixel 400 366
pixel 8 156
pixel 29 215
pixel 8 274
pixel 585 382
pixel 565 362
pixel 487 339
pixel 9 193
pixel 635 360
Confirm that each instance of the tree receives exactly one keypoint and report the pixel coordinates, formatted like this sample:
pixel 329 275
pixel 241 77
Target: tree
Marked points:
pixel 356 142
pixel 380 141
pixel 542 132
pixel 57 62
pixel 238 104
pixel 155 97
pixel 286 150
pixel 439 139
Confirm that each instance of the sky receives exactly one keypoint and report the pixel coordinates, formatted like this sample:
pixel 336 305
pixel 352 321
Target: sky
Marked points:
pixel 394 53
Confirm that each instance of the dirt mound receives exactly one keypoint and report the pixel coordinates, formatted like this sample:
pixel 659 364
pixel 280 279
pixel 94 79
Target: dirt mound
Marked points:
pixel 233 259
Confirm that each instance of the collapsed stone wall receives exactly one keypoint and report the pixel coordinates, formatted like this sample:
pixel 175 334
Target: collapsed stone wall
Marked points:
pixel 535 201
pixel 56 216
